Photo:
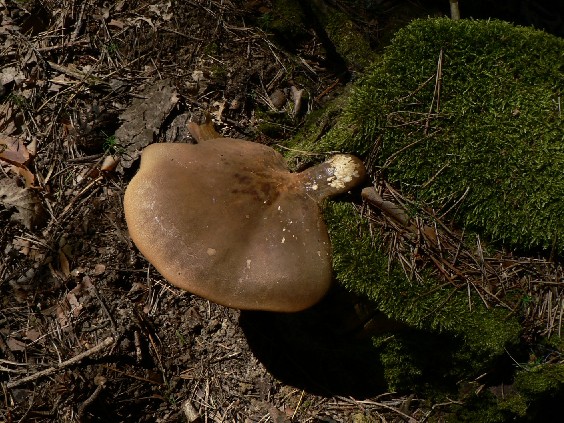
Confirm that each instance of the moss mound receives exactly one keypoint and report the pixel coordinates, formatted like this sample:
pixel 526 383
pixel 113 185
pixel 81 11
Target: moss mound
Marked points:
pixel 468 338
pixel 535 396
pixel 468 109
pixel 463 113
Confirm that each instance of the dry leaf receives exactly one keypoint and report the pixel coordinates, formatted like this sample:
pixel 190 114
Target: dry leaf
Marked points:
pixel 32 147
pixel 32 334
pixel 13 150
pixel 25 247
pixel 25 173
pixel 11 121
pixel 83 287
pixel 15 344
pixel 75 305
pixel 28 208
pixel 11 74
pixel 64 263
pixel 22 245
pixel 117 23
pixel 99 269
pixel 61 313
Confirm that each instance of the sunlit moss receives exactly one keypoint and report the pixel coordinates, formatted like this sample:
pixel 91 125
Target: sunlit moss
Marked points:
pixel 348 41
pixel 362 266
pixel 488 126
pixel 491 126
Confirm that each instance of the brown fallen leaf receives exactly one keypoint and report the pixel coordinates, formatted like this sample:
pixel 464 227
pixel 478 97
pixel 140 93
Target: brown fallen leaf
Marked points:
pixel 13 150
pixel 22 245
pixel 15 344
pixel 11 121
pixel 64 263
pixel 32 334
pixel 28 207
pixel 26 174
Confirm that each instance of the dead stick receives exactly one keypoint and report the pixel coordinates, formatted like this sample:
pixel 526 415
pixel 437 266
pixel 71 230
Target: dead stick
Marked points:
pixel 51 370
pixel 398 214
pixel 88 402
pixel 394 211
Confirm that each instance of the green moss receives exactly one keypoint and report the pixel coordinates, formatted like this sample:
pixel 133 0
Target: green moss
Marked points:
pixel 541 380
pixel 286 22
pixel 271 129
pixel 274 125
pixel 218 73
pixel 483 408
pixel 449 341
pixel 493 133
pixel 475 337
pixel 316 126
pixel 494 130
pixel 535 396
pixel 348 41
pixel 211 49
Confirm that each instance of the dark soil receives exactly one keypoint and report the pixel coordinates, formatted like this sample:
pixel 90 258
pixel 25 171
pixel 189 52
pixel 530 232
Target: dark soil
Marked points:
pixel 89 331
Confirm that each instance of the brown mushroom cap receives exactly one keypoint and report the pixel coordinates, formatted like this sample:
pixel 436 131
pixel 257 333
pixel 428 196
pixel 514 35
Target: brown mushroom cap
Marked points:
pixel 226 220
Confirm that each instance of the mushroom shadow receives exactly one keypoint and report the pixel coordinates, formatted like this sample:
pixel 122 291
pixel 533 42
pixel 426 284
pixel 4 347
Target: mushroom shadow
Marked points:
pixel 320 349
pixel 329 350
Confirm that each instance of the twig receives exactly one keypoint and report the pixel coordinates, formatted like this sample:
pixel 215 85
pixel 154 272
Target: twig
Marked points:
pixel 4 347
pixel 87 78
pixel 397 213
pixel 79 23
pixel 298 406
pixel 51 370
pixel 12 54
pixel 188 37
pixel 327 90
pixel 383 405
pixel 82 409
pixel 106 311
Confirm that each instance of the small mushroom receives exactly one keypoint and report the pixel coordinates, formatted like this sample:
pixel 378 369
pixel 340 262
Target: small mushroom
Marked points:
pixel 225 219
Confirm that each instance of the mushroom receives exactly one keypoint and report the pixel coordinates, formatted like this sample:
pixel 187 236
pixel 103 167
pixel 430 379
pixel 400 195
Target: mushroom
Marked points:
pixel 225 219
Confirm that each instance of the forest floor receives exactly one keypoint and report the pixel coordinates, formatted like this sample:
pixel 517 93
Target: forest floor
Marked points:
pixel 89 331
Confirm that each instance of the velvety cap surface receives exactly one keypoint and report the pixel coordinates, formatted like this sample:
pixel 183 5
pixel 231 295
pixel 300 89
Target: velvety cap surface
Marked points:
pixel 226 220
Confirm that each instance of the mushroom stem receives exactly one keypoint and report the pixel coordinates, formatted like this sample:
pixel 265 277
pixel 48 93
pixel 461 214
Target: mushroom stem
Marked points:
pixel 203 132
pixel 334 176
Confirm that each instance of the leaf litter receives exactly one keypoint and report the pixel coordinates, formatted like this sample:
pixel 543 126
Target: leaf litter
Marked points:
pixel 22 204
pixel 95 330
pixel 84 85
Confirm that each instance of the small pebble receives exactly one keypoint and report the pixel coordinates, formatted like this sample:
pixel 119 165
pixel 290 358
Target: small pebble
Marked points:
pixel 278 99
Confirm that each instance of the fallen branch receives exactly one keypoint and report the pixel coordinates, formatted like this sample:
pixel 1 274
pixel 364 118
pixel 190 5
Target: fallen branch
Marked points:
pixel 398 214
pixel 51 370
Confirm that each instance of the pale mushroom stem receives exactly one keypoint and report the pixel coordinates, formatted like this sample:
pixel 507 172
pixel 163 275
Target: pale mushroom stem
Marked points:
pixel 335 176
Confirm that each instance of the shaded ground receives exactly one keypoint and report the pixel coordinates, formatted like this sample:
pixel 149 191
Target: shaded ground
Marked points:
pixel 72 283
